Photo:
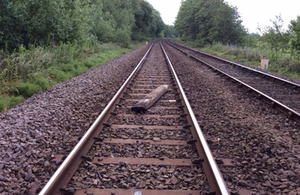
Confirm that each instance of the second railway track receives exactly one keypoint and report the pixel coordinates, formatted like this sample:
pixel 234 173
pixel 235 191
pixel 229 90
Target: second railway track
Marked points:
pixel 280 93
pixel 160 151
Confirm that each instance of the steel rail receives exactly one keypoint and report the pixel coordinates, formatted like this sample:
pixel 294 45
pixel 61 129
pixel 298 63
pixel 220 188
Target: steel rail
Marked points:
pixel 239 65
pixel 212 172
pixel 289 112
pixel 54 184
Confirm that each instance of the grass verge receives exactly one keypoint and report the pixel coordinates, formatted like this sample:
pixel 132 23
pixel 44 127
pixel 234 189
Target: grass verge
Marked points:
pixel 283 64
pixel 26 72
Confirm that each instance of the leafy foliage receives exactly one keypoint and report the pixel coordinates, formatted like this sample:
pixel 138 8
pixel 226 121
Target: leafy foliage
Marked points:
pixel 43 42
pixel 281 46
pixel 206 22
pixel 39 22
pixel 276 38
pixel 52 22
pixel 36 69
pixel 295 39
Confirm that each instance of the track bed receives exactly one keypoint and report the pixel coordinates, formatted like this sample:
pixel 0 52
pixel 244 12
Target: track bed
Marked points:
pixel 151 152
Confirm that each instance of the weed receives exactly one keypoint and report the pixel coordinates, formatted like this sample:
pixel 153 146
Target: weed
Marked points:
pixel 79 70
pixel 27 71
pixel 60 75
pixel 66 67
pixel 27 89
pixel 15 100
pixel 41 81
pixel 88 64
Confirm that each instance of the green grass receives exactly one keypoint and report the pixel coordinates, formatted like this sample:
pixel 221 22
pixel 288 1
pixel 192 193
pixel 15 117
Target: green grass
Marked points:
pixel 7 102
pixel 27 89
pixel 1 106
pixel 41 81
pixel 284 65
pixel 26 72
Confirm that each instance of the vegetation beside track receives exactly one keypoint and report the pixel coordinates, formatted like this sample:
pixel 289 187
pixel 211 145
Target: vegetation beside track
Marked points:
pixel 45 42
pixel 216 27
pixel 284 65
pixel 28 71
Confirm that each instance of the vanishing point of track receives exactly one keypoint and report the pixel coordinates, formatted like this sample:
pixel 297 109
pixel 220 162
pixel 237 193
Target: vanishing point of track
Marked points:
pixel 160 151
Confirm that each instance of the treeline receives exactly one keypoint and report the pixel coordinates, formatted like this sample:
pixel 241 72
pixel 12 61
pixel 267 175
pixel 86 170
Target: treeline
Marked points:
pixel 39 23
pixel 44 42
pixel 206 22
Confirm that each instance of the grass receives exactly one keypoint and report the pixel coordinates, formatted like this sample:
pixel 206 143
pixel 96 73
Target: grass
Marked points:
pixel 29 71
pixel 283 64
pixel 7 102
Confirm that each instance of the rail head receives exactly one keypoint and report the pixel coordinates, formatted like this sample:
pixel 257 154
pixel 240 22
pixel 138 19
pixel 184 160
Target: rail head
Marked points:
pixel 53 185
pixel 219 184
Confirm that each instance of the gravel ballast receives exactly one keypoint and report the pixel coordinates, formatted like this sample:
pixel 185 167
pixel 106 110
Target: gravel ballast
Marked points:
pixel 36 135
pixel 261 141
pixel 172 165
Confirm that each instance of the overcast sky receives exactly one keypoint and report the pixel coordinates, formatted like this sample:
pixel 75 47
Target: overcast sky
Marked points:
pixel 253 13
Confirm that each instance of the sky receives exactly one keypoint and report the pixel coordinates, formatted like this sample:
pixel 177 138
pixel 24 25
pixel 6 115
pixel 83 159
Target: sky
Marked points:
pixel 253 13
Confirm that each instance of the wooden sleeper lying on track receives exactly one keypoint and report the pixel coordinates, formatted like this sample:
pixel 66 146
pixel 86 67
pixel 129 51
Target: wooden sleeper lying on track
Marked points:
pixel 150 99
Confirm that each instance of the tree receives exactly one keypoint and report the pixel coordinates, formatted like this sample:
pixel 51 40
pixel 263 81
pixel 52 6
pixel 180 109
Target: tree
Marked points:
pixel 185 22
pixel 206 22
pixel 143 18
pixel 276 37
pixel 251 40
pixel 148 22
pixel 295 39
pixel 34 22
pixel 157 25
pixel 170 32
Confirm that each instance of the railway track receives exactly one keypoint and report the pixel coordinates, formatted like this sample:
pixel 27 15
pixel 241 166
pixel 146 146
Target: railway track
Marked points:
pixel 160 151
pixel 279 93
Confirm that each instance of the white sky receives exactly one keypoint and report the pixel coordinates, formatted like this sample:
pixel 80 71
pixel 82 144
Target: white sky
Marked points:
pixel 253 13
pixel 168 9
